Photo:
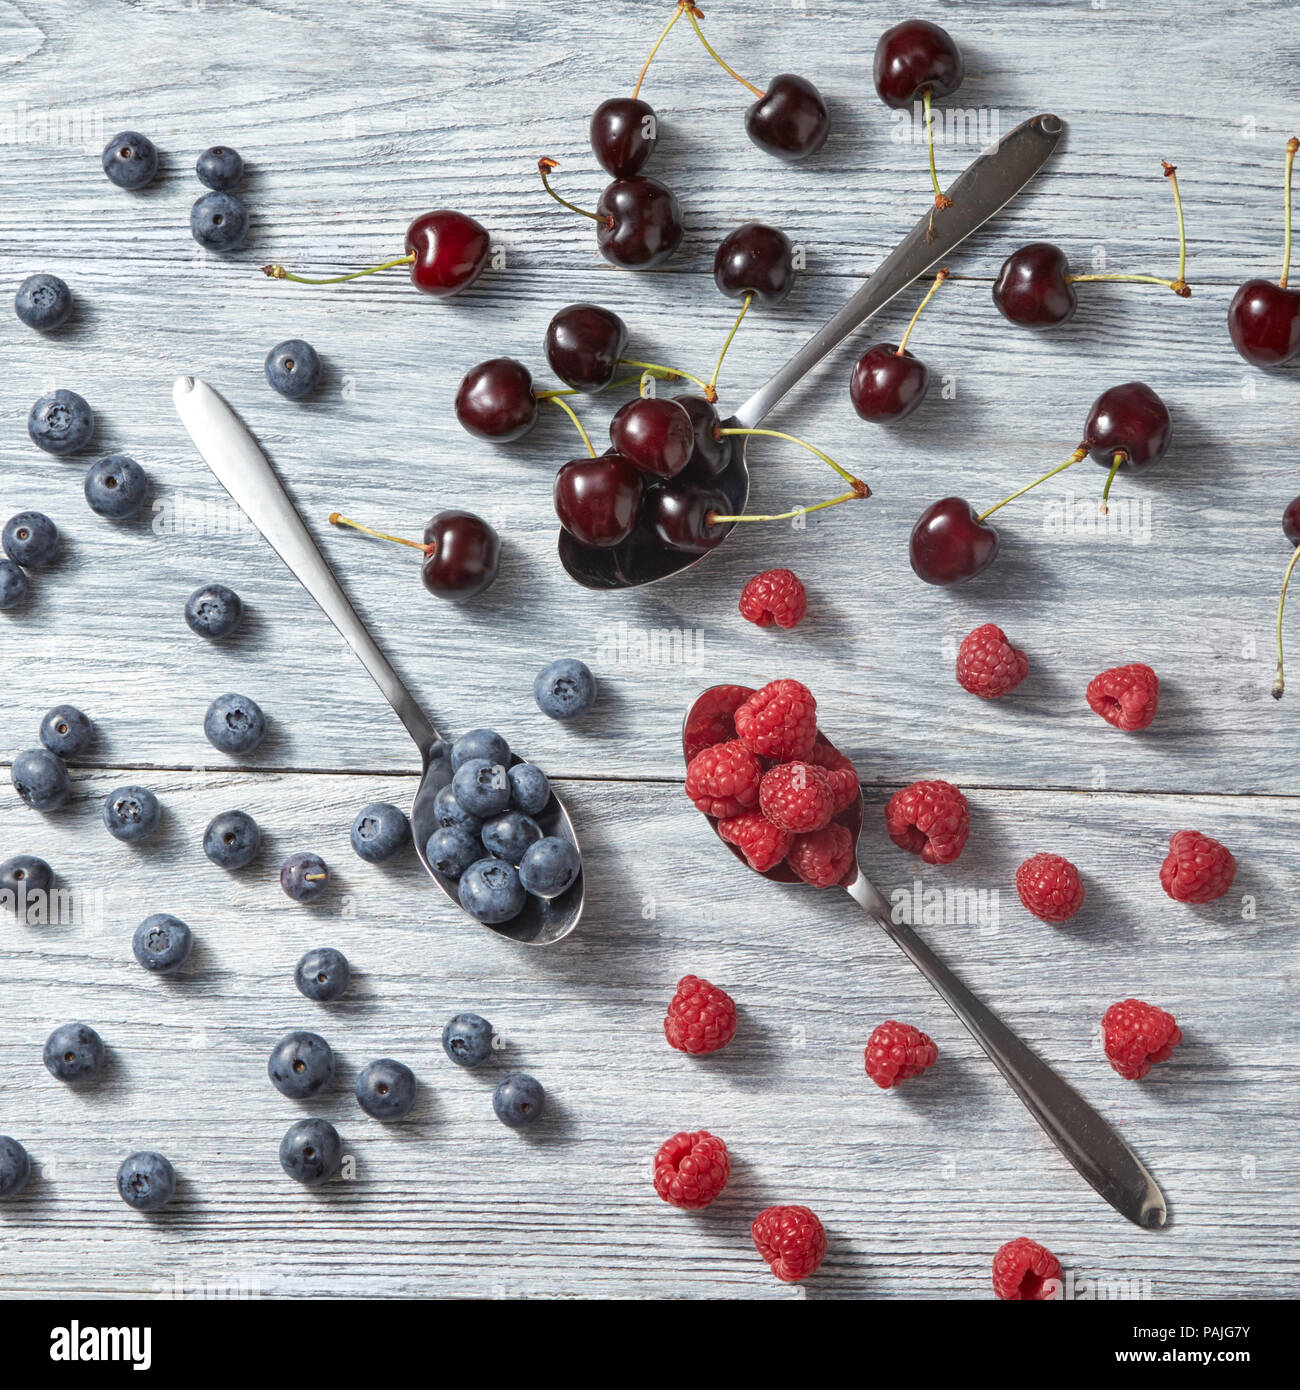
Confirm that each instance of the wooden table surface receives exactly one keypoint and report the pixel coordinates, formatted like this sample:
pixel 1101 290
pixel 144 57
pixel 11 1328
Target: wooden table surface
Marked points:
pixel 352 119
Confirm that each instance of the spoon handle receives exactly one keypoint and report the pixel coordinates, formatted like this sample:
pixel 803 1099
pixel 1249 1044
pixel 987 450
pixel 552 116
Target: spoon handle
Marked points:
pixel 1080 1133
pixel 232 453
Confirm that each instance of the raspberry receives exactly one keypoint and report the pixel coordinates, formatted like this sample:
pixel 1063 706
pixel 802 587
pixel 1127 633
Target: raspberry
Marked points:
pixel 1125 696
pixel 779 721
pixel 691 1169
pixel 763 844
pixel 792 1241
pixel 930 819
pixel 897 1052
pixel 1050 887
pixel 1024 1271
pixel 1137 1036
pixel 796 797
pixel 823 858
pixel 1196 869
pixel 701 1017
pixel 713 719
pixel 840 773
pixel 723 780
pixel 988 665
pixel 775 596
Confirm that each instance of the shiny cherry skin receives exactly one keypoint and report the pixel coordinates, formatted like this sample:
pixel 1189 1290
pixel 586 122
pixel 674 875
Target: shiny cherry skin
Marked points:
pixel 450 252
pixel 1130 420
pixel 755 259
pixel 598 500
pixel 464 558
pixel 886 385
pixel 638 223
pixel 912 56
pixel 790 120
pixel 583 345
pixel 712 452
pixel 623 134
pixel 1264 321
pixel 654 434
pixel 950 543
pixel 677 513
pixel 1033 289
pixel 1291 521
pixel 496 401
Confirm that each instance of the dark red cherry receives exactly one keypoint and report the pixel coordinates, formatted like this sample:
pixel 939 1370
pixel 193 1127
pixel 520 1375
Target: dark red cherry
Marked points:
pixel 463 561
pixel 583 345
pixel 915 55
pixel 790 120
pixel 678 515
pixel 950 543
pixel 712 451
pixel 755 259
pixel 1264 321
pixel 598 500
pixel 887 385
pixel 654 434
pixel 1291 521
pixel 1130 420
pixel 496 401
pixel 450 252
pixel 623 134
pixel 638 223
pixel 1032 288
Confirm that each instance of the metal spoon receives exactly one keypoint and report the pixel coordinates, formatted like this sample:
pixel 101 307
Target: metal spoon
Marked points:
pixel 987 184
pixel 245 472
pixel 1080 1133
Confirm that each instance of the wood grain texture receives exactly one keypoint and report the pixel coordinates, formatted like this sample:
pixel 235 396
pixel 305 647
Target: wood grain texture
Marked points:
pixel 354 118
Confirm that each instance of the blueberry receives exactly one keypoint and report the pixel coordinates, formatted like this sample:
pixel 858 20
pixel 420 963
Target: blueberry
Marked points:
pixel 219 222
pixel 565 689
pixel 43 302
pixel 549 867
pixel 115 487
pixel 451 850
pixel 300 1065
pixel 65 731
pixel 379 832
pixel 146 1181
pixel 41 779
pixel 311 1152
pixel 449 812
pixel 529 790
pixel 131 814
pixel 234 724
pixel 30 539
pixel 519 1101
pixel 25 883
pixel 509 835
pixel 61 422
pixel 232 839
pixel 162 943
pixel 219 168
pixel 293 368
pixel 467 1040
pixel 490 891
pixel 130 160
pixel 481 787
pixel 15 1167
pixel 480 743
pixel 74 1052
pixel 322 974
pixel 304 877
pixel 386 1089
pixel 13 584
pixel 213 611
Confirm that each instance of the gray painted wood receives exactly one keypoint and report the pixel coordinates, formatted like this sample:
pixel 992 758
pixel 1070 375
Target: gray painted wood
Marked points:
pixel 355 118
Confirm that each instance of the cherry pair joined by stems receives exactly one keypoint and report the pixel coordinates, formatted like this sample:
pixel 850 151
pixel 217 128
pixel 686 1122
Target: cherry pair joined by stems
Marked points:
pixel 1035 288
pixel 1290 529
pixel 888 382
pixel 638 221
pixel 446 251
pixel 461 552
pixel 1264 318
pixel 1128 426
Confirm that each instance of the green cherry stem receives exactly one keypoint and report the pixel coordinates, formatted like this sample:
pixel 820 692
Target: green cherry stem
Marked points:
pixel 812 449
pixel 1179 285
pixel 677 14
pixel 544 166
pixel 713 518
pixel 554 398
pixel 337 519
pixel 938 280
pixel 1292 145
pixel 278 272
pixel 695 14
pixel 1279 685
pixel 941 200
pixel 717 366
pixel 670 374
pixel 1080 452
pixel 1110 478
